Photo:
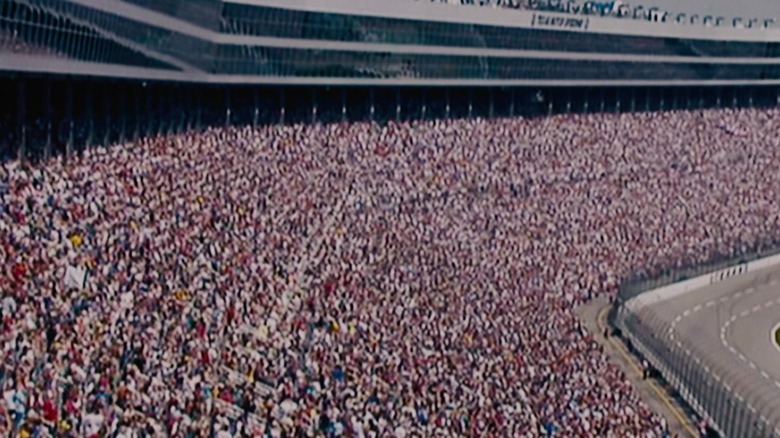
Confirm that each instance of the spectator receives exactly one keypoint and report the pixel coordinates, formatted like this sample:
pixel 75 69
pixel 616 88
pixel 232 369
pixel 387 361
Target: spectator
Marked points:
pixel 414 279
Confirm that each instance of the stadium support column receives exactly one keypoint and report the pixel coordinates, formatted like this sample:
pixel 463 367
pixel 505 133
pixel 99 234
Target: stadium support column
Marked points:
pixel 178 99
pixel 343 104
pixel 424 109
pixel 397 104
pixel 21 107
pixel 48 111
pixel 282 109
pixel 777 96
pixel 189 108
pixel 107 110
pixel 372 109
pixel 122 113
pixel 314 105
pixel 137 108
pixel 687 100
pixel 174 108
pixel 602 100
pixel 447 104
pixel 492 104
pixel 633 100
pixel 228 95
pixel 256 113
pixel 568 100
pixel 90 117
pixel 471 103
pixel 198 93
pixel 148 114
pixel 717 97
pixel 71 125
pixel 512 103
pixel 647 101
pixel 585 101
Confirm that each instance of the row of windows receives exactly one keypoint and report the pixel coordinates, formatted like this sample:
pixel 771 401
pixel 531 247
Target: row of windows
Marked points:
pixel 87 34
pixel 276 22
pixel 163 41
pixel 316 63
pixel 204 13
pixel 26 29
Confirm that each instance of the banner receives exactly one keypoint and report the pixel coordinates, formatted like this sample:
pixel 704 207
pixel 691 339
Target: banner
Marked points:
pixel 75 277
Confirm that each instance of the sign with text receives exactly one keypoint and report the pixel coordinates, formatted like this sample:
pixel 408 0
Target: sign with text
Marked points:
pixel 725 274
pixel 552 21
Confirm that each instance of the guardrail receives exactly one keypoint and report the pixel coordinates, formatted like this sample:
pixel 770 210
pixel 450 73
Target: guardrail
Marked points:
pixel 646 332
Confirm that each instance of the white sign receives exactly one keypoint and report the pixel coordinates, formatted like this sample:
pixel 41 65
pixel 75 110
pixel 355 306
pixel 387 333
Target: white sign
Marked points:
pixel 75 277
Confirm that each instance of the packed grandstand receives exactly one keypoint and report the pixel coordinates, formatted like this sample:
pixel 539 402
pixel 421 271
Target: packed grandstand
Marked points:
pixel 355 279
pixel 361 219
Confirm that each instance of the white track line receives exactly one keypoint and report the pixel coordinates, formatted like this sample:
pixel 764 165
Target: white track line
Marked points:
pixel 724 338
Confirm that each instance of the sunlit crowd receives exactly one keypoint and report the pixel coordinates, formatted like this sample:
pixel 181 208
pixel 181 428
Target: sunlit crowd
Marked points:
pixel 413 279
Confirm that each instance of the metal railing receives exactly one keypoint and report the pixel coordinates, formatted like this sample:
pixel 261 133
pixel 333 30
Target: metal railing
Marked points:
pixel 642 282
pixel 695 367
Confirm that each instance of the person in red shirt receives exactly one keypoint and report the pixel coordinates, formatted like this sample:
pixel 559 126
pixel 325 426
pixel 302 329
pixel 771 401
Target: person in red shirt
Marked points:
pixel 49 411
pixel 19 271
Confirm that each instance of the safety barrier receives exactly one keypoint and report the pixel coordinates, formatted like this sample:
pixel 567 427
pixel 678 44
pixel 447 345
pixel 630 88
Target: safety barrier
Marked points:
pixel 725 409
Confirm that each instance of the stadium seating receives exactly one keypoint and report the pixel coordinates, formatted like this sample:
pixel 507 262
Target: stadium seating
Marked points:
pixel 355 279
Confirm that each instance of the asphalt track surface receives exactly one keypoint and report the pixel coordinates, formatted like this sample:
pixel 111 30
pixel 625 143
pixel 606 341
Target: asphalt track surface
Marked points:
pixel 728 328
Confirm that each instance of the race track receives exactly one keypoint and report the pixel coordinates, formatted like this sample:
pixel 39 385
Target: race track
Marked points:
pixel 727 328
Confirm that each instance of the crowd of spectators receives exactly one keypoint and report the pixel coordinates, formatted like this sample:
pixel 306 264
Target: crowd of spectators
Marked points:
pixel 355 279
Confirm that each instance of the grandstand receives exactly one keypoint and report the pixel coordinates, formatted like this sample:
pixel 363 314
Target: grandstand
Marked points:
pixel 359 218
